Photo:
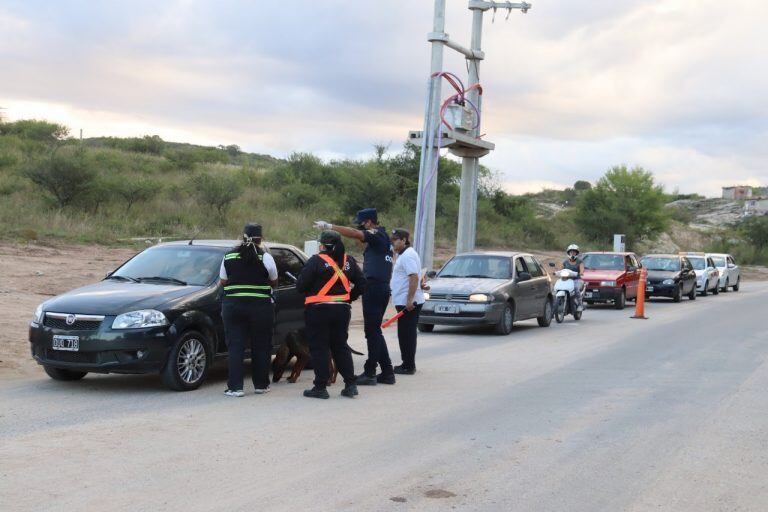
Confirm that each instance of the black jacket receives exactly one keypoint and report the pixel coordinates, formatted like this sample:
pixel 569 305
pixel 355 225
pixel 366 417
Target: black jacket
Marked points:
pixel 316 273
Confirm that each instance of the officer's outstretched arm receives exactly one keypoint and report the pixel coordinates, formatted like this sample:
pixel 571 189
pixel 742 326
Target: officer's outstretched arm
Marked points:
pixel 349 232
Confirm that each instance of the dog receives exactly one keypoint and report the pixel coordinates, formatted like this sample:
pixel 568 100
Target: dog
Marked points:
pixel 296 346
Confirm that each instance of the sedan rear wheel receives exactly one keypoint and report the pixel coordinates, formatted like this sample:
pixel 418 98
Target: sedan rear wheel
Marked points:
pixel 504 326
pixel 725 288
pixel 737 285
pixel 188 363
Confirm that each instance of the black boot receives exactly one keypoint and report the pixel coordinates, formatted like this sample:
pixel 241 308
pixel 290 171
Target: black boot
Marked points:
pixel 366 380
pixel 403 370
pixel 386 378
pixel 349 391
pixel 316 392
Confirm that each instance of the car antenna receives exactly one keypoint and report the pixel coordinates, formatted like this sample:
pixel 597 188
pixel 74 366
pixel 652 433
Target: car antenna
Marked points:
pixel 193 237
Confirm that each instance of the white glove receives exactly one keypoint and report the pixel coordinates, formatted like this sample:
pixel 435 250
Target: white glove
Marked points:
pixel 321 224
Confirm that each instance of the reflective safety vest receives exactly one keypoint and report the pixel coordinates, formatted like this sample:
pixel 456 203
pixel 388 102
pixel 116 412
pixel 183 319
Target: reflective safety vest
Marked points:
pixel 338 275
pixel 246 281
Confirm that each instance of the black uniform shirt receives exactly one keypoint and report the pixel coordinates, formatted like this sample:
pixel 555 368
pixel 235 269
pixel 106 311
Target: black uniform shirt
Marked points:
pixel 378 259
pixel 316 273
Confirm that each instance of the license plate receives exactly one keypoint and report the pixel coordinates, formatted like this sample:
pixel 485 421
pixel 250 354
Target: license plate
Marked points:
pixel 588 295
pixel 649 288
pixel 66 343
pixel 447 309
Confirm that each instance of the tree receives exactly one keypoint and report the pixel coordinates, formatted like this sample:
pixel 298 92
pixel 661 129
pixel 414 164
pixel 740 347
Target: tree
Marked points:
pixel 65 175
pixel 582 185
pixel 623 201
pixel 755 229
pixel 135 190
pixel 216 191
pixel 32 129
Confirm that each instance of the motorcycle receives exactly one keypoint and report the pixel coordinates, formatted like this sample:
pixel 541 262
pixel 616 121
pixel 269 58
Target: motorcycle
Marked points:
pixel 565 298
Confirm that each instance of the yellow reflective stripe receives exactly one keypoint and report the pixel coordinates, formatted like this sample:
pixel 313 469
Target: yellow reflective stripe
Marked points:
pixel 247 287
pixel 260 295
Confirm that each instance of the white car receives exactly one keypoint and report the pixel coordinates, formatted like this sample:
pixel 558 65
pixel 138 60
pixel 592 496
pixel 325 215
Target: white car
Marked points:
pixel 707 275
pixel 730 274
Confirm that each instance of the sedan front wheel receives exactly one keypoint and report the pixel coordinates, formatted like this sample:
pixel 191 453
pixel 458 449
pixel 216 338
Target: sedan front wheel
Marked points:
pixel 188 362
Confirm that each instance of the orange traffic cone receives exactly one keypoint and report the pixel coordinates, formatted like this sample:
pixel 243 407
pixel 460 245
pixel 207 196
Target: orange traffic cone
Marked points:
pixel 640 299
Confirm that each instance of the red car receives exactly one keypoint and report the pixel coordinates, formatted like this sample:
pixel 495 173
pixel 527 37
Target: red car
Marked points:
pixel 610 277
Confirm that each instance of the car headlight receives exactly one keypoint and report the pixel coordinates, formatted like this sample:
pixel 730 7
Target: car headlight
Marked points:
pixel 669 281
pixel 607 283
pixel 479 297
pixel 426 295
pixel 140 319
pixel 39 313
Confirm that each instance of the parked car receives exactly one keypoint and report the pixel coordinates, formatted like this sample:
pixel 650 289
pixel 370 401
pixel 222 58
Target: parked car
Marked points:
pixel 160 312
pixel 669 275
pixel 488 288
pixel 707 275
pixel 730 273
pixel 611 277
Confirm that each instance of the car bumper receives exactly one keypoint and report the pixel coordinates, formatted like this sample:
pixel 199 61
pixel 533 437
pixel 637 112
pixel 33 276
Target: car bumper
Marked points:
pixel 660 290
pixel 105 350
pixel 466 313
pixel 595 294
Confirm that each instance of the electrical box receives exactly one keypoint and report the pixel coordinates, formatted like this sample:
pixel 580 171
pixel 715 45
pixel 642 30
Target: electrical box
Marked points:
pixel 460 117
pixel 619 244
pixel 311 247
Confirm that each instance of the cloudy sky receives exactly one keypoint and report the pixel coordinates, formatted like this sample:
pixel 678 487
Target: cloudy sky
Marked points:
pixel 571 88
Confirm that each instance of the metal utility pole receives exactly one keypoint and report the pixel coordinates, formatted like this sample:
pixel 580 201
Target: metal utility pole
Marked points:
pixel 464 144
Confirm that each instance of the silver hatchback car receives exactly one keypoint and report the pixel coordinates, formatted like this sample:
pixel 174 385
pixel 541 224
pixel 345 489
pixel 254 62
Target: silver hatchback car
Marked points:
pixel 730 273
pixel 488 288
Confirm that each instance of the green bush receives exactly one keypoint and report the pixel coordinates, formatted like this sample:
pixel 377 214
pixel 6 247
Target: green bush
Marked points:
pixel 35 130
pixel 216 191
pixel 65 175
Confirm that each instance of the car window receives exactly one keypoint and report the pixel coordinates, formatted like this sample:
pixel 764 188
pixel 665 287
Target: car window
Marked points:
pixel 198 266
pixel 635 263
pixel 520 266
pixel 628 261
pixel 719 261
pixel 731 260
pixel 661 263
pixel 710 263
pixel 698 263
pixel 533 267
pixel 477 266
pixel 286 261
pixel 595 261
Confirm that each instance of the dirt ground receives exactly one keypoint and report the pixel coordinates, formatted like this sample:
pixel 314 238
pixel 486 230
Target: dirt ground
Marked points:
pixel 30 274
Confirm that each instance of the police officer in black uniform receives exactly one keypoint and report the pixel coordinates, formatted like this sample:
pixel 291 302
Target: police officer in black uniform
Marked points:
pixel 248 275
pixel 377 266
pixel 330 280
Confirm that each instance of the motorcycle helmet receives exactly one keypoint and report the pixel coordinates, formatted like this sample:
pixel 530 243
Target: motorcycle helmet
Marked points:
pixel 572 247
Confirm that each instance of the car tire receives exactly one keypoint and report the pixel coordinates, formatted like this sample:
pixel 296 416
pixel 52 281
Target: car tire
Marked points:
pixel 716 289
pixel 546 319
pixel 621 302
pixel 704 292
pixel 426 327
pixel 507 320
pixel 727 284
pixel 678 295
pixel 62 374
pixel 737 285
pixel 188 362
pixel 692 294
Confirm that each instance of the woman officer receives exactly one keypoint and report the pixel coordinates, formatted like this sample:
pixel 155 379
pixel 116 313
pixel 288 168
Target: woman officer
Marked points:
pixel 248 274
pixel 330 280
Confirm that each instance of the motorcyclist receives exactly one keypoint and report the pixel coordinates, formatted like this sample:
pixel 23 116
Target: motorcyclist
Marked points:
pixel 575 264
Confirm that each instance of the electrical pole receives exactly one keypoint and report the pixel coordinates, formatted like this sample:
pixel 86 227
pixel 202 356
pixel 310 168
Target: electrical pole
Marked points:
pixel 466 145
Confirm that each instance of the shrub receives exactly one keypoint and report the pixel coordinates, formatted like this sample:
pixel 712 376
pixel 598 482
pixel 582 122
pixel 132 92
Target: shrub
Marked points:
pixel 216 191
pixel 64 175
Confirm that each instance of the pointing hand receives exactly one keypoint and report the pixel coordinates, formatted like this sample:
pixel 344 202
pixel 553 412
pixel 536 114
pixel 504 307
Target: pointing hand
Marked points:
pixel 321 224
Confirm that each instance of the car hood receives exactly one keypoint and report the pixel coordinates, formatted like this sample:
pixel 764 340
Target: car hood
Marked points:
pixel 116 297
pixel 464 285
pixel 662 274
pixel 602 275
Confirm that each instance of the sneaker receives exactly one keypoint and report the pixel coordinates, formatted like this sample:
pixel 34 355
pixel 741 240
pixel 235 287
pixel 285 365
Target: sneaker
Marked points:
pixel 402 370
pixel 316 392
pixel 385 378
pixel 366 380
pixel 349 391
pixel 234 392
pixel 262 391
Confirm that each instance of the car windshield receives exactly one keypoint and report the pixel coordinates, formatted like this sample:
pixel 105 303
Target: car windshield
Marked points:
pixel 604 262
pixel 173 265
pixel 719 261
pixel 698 263
pixel 660 263
pixel 489 267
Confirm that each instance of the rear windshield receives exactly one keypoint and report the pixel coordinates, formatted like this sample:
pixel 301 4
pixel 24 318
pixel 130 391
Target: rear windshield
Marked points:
pixel 198 266
pixel 698 263
pixel 489 267
pixel 603 262
pixel 666 264
pixel 719 261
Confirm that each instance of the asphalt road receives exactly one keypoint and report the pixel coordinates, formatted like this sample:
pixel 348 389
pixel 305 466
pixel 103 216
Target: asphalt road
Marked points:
pixel 609 413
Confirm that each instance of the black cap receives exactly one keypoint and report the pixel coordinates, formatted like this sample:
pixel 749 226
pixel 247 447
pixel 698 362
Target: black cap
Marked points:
pixel 366 214
pixel 401 234
pixel 330 237
pixel 252 230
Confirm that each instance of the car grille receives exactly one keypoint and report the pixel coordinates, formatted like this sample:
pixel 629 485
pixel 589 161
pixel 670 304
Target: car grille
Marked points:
pixel 72 357
pixel 448 296
pixel 81 323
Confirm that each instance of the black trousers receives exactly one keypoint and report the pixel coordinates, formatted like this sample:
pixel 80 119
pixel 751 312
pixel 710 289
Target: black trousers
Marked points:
pixel 375 300
pixel 248 322
pixel 406 334
pixel 327 333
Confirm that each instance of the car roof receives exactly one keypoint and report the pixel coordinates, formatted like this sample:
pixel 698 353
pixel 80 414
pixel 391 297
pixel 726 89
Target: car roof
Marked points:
pixel 723 254
pixel 625 253
pixel 504 254
pixel 662 255
pixel 226 244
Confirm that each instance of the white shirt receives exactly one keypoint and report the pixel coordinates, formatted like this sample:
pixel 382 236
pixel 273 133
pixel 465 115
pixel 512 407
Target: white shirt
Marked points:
pixel 407 264
pixel 269 263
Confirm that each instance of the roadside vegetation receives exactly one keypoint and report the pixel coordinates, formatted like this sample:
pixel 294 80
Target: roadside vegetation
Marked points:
pixel 112 190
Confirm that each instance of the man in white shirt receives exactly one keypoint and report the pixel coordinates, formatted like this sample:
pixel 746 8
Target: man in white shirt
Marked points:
pixel 407 296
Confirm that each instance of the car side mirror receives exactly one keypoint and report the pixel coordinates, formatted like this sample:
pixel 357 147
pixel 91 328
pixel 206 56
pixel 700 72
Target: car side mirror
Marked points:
pixel 291 276
pixel 731 265
pixel 523 276
pixel 109 274
pixel 431 274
